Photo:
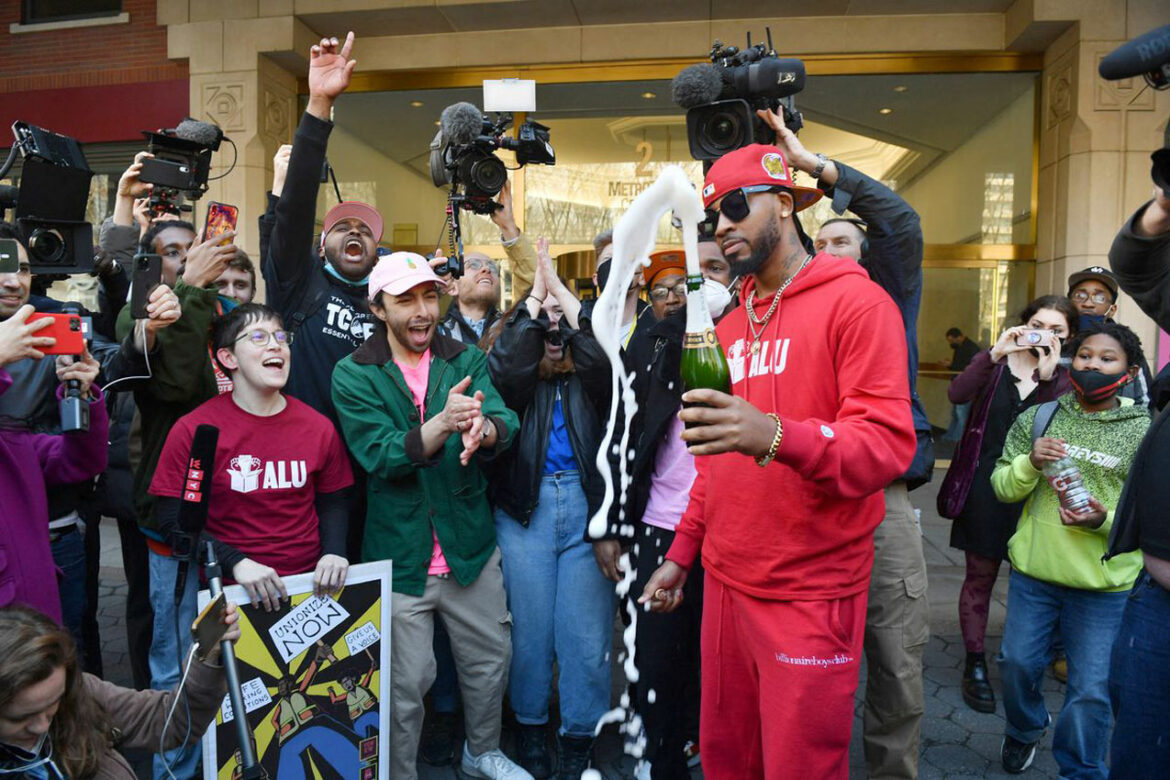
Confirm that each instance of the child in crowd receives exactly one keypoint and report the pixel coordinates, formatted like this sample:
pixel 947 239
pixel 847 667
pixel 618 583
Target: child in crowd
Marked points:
pixel 1058 577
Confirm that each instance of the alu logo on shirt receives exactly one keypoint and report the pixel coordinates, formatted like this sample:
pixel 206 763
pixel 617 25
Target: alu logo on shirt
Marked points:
pixel 771 359
pixel 249 473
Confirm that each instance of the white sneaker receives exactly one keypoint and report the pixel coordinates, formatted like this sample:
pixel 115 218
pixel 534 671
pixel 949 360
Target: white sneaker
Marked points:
pixel 493 765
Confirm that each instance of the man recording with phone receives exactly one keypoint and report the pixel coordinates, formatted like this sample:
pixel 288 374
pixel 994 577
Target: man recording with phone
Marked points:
pixel 888 244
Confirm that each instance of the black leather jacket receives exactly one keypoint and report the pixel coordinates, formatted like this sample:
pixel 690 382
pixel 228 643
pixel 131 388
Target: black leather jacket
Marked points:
pixel 513 362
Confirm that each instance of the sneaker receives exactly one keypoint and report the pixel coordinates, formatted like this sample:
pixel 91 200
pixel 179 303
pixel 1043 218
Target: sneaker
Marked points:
pixel 493 765
pixel 438 740
pixel 691 753
pixel 1017 756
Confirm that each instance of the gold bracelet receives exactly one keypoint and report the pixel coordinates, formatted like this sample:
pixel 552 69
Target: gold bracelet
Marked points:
pixel 764 460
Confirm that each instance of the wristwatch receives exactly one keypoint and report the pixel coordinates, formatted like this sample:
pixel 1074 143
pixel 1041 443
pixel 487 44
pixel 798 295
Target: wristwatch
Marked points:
pixel 822 161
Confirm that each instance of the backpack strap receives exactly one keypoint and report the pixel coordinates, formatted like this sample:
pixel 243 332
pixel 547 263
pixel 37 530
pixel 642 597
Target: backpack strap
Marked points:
pixel 299 317
pixel 1044 414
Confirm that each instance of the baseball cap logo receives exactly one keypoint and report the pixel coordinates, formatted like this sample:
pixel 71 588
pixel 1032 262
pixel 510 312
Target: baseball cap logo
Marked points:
pixel 773 165
pixel 410 263
pixel 708 190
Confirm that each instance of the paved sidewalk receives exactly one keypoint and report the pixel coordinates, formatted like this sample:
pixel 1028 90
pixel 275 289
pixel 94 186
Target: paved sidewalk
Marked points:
pixel 957 742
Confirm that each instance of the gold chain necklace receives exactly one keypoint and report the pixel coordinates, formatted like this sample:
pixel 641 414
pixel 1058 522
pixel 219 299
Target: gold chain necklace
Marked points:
pixel 763 323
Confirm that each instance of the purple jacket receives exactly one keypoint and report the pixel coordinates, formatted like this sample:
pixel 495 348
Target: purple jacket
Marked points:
pixel 28 463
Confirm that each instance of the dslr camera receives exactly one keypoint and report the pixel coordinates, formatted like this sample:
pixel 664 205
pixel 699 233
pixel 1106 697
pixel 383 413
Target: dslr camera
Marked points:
pixel 463 154
pixel 50 202
pixel 722 97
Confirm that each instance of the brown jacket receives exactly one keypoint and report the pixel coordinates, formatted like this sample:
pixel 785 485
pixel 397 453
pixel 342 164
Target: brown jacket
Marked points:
pixel 137 717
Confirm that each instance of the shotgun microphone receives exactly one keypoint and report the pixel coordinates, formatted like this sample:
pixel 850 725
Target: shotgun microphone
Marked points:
pixel 193 504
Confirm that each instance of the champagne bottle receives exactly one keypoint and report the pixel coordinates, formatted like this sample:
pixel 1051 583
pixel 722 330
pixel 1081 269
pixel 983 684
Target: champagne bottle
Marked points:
pixel 703 363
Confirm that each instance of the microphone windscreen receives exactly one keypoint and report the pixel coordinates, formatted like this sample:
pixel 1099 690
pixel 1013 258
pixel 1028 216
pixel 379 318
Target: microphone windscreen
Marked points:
pixel 202 133
pixel 1143 54
pixel 197 480
pixel 462 123
pixel 696 85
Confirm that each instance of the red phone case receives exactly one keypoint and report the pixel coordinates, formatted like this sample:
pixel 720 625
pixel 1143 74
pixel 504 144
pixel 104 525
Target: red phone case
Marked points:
pixel 220 219
pixel 66 328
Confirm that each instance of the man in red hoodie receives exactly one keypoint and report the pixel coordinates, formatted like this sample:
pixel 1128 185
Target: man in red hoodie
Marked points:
pixel 791 469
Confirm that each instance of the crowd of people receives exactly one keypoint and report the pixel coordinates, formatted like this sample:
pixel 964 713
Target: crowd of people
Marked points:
pixel 767 535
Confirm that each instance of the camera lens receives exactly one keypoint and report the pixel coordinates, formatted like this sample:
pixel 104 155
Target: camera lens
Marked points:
pixel 722 131
pixel 46 246
pixel 488 175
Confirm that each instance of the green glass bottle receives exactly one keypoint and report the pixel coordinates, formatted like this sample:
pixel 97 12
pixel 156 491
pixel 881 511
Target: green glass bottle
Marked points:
pixel 703 363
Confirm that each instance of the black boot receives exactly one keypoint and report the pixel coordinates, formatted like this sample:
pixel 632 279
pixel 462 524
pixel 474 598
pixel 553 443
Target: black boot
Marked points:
pixel 576 753
pixel 438 739
pixel 532 750
pixel 977 690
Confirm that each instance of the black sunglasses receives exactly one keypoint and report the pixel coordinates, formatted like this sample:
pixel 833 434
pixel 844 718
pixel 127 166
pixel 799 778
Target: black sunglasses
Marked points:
pixel 735 206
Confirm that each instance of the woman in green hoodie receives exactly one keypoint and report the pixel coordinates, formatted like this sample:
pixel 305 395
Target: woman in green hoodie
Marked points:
pixel 1058 577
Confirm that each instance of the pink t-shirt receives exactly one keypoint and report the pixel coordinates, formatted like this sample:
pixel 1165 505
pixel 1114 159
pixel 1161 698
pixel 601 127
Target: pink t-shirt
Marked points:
pixel 416 378
pixel 670 484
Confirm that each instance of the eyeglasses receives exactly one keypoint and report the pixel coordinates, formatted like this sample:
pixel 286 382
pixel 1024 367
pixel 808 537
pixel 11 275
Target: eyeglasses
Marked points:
pixel 261 337
pixel 475 264
pixel 735 206
pixel 1080 296
pixel 662 293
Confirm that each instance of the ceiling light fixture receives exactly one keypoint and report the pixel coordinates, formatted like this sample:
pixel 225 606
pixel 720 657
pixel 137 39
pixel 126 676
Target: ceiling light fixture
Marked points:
pixel 649 95
pixel 901 88
pixel 885 110
pixel 416 104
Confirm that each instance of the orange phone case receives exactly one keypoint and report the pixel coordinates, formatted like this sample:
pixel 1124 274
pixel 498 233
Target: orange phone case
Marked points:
pixel 66 328
pixel 220 219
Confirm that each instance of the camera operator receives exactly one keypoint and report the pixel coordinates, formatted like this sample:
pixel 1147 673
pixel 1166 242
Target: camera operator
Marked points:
pixel 1139 680
pixel 32 404
pixel 319 288
pixel 889 247
pixel 475 296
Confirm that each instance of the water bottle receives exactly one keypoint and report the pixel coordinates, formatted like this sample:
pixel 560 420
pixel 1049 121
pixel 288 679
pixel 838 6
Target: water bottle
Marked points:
pixel 1065 478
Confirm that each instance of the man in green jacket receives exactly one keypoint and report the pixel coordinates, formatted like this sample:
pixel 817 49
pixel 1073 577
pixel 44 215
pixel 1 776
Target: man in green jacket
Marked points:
pixel 419 414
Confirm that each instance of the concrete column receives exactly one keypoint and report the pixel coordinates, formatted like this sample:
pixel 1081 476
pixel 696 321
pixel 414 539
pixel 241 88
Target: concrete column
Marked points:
pixel 1095 141
pixel 241 79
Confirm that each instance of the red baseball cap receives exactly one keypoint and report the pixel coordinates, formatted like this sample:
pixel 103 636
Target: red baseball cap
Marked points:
pixel 750 166
pixel 352 209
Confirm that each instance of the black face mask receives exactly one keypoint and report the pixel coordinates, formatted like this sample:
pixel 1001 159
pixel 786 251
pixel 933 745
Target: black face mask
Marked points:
pixel 1096 387
pixel 1086 321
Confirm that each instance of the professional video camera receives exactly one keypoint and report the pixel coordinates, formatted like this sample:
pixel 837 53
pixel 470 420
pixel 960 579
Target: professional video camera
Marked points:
pixel 722 98
pixel 463 154
pixel 181 164
pixel 50 201
pixel 1147 56
pixel 463 157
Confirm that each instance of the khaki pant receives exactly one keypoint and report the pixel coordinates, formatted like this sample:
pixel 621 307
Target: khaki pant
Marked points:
pixel 897 627
pixel 480 628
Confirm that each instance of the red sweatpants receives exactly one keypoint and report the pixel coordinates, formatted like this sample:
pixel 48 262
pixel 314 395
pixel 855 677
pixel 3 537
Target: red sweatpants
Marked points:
pixel 777 685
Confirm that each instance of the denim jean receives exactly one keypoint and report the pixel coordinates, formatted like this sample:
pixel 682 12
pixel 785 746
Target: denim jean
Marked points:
pixel 166 649
pixel 959 415
pixel 1139 684
pixel 69 555
pixel 562 609
pixel 1088 623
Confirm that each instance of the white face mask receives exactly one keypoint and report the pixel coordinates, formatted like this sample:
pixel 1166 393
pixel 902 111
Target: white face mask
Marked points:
pixel 717 297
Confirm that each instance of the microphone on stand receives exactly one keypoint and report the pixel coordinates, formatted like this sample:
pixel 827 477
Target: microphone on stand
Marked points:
pixel 193 504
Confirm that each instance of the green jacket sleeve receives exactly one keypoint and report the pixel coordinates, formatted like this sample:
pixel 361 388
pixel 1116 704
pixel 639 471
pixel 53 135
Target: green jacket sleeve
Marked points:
pixel 183 364
pixel 376 440
pixel 1014 477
